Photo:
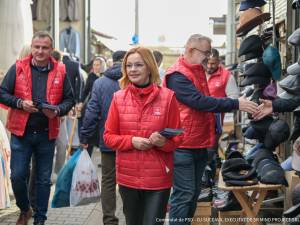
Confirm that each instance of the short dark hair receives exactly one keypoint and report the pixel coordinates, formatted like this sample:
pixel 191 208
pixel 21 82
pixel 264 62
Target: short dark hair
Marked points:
pixel 56 55
pixel 158 57
pixel 42 34
pixel 118 56
pixel 214 53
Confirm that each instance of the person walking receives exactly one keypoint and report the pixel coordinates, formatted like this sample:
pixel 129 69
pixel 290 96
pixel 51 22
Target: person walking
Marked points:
pixel 187 79
pixel 144 158
pixel 97 71
pixel 95 116
pixel 29 84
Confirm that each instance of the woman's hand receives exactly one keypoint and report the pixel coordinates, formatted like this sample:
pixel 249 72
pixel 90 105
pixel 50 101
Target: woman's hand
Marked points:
pixel 157 140
pixel 141 143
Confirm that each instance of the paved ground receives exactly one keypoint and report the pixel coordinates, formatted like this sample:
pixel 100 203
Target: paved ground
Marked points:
pixel 83 215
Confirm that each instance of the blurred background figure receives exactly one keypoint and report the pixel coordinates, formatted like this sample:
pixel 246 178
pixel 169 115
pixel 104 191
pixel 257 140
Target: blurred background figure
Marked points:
pixel 109 63
pixel 99 66
pixel 159 59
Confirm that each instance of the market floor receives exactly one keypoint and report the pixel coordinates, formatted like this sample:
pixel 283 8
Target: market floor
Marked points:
pixel 82 215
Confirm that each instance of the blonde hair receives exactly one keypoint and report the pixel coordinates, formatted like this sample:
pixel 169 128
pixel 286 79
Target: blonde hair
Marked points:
pixel 25 51
pixel 148 59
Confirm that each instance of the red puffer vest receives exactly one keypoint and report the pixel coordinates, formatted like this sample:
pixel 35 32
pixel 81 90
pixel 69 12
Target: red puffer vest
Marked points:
pixel 199 126
pixel 17 119
pixel 217 82
pixel 151 169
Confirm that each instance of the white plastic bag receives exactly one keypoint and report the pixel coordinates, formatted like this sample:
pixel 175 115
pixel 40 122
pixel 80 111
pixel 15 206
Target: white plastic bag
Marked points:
pixel 85 185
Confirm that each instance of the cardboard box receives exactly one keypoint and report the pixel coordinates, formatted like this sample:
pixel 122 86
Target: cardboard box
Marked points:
pixel 202 214
pixel 292 180
pixel 229 217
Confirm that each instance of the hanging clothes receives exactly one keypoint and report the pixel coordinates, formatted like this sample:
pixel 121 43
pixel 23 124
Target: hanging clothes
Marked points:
pixel 16 24
pixel 69 10
pixel 34 9
pixel 69 39
pixel 4 168
pixel 43 10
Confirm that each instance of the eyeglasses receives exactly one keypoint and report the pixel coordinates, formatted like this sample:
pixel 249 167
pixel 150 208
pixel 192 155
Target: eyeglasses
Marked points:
pixel 135 65
pixel 205 53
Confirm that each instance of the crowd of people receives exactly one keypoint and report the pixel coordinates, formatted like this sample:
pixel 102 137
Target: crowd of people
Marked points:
pixel 122 110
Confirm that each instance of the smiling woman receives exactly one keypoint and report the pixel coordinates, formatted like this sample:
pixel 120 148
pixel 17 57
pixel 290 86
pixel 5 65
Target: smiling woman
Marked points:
pixel 144 159
pixel 139 68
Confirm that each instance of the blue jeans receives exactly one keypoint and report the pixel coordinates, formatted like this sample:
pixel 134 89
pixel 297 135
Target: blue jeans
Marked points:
pixel 189 166
pixel 22 148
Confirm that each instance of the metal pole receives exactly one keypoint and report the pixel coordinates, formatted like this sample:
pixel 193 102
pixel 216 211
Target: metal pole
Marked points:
pixel 136 28
pixel 87 31
pixel 230 33
pixel 274 28
pixel 55 23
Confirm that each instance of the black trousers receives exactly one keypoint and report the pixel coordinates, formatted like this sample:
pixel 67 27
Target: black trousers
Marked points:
pixel 108 188
pixel 144 207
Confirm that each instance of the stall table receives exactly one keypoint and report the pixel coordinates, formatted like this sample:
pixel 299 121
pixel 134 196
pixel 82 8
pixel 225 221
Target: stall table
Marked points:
pixel 250 204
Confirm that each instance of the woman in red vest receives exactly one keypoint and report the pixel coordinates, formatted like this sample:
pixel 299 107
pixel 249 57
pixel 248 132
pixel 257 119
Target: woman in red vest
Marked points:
pixel 144 160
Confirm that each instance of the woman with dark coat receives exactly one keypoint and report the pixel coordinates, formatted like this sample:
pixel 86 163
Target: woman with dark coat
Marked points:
pixel 98 69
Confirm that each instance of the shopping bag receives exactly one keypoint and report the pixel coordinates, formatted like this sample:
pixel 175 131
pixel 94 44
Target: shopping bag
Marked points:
pixel 85 185
pixel 61 196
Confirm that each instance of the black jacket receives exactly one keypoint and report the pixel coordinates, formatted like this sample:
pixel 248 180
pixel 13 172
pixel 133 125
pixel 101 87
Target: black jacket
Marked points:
pixel 286 105
pixel 73 76
pixel 188 94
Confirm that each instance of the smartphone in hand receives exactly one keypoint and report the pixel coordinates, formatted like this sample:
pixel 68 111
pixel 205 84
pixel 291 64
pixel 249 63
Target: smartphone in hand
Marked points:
pixel 170 132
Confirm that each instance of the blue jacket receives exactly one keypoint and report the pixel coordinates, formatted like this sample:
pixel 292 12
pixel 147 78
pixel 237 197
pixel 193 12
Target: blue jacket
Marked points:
pixel 98 105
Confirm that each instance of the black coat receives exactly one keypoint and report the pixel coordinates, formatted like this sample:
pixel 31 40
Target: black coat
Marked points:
pixel 73 76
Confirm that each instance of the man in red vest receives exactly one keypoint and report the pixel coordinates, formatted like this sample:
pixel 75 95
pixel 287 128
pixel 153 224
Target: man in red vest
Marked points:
pixel 221 83
pixel 187 79
pixel 37 93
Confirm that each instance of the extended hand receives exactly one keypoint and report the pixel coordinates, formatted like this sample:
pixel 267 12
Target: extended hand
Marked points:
pixel 157 139
pixel 49 113
pixel 264 109
pixel 28 106
pixel 141 143
pixel 247 106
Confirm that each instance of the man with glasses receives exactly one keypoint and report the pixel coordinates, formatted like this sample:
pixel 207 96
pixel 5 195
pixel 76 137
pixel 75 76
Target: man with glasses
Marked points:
pixel 187 79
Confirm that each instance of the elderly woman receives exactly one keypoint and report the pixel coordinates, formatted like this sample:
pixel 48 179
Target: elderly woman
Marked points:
pixel 144 160
pixel 99 66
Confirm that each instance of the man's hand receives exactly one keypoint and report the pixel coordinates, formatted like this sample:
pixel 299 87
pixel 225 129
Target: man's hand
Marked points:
pixel 141 143
pixel 264 109
pixel 157 139
pixel 49 113
pixel 28 106
pixel 247 106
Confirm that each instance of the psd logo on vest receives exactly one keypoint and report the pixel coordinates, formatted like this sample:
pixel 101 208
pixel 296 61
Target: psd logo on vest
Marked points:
pixel 156 111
